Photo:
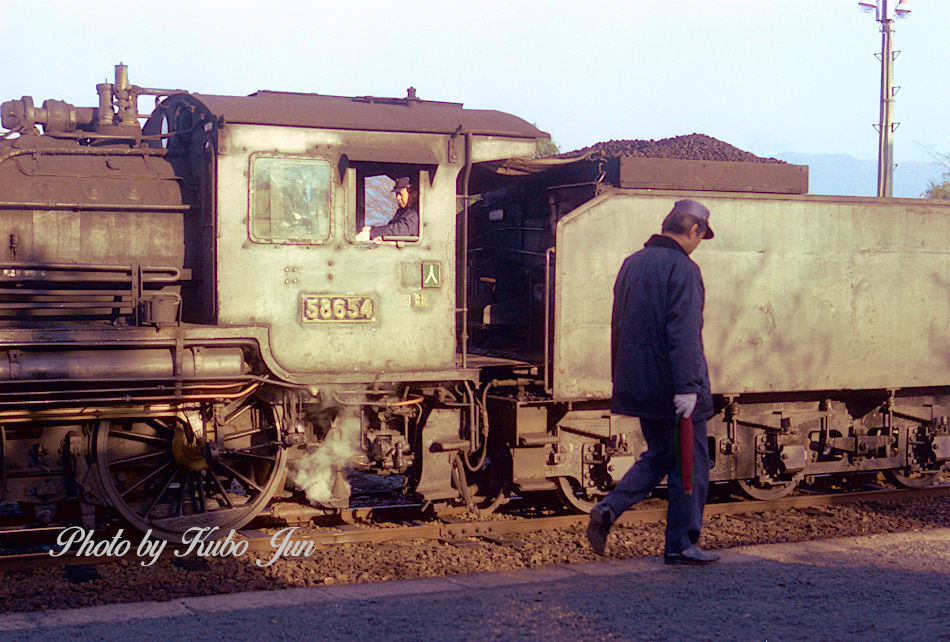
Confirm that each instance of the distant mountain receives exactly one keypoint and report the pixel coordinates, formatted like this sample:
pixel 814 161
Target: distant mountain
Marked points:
pixel 845 175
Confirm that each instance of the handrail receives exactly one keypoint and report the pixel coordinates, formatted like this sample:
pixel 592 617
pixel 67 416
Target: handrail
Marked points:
pixel 548 346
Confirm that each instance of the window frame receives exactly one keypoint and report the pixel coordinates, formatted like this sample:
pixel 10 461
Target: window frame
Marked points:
pixel 252 236
pixel 419 173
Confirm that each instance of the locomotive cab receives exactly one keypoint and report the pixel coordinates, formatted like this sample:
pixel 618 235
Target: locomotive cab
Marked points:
pixel 296 177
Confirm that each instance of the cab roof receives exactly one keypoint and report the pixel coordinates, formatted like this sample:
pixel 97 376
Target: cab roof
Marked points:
pixel 366 113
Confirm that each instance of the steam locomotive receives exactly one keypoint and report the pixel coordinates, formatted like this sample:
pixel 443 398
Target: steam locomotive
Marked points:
pixel 190 324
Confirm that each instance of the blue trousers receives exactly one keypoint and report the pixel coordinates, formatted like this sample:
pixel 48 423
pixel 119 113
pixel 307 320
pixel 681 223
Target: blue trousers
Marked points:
pixel 684 516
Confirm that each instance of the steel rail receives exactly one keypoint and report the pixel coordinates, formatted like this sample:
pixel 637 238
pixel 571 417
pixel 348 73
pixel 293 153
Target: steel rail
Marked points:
pixel 450 529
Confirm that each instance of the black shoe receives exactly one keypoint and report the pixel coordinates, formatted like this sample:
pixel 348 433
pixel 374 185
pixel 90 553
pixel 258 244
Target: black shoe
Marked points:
pixel 692 555
pixel 598 527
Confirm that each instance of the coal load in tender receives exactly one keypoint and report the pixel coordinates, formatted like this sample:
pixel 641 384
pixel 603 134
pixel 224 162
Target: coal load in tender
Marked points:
pixel 690 147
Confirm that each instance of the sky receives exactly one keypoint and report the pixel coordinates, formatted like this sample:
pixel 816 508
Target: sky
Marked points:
pixel 768 76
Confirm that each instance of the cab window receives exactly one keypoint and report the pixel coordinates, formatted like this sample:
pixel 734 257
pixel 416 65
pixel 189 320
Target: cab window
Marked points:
pixel 289 200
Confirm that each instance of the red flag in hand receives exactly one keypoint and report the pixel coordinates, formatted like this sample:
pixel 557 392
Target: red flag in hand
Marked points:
pixel 685 430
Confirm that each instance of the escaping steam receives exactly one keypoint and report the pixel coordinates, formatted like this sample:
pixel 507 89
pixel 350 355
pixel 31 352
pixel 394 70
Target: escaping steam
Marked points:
pixel 319 474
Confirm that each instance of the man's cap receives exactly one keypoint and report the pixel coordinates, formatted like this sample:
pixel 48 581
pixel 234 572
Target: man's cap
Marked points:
pixel 402 183
pixel 697 209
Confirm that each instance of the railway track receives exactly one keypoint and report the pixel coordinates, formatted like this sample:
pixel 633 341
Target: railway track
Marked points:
pixel 449 527
pixel 356 526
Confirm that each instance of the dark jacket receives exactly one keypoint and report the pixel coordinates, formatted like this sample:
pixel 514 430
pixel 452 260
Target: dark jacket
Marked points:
pixel 405 222
pixel 656 333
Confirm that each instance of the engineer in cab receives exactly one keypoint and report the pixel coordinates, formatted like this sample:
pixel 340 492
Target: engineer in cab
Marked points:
pixel 405 221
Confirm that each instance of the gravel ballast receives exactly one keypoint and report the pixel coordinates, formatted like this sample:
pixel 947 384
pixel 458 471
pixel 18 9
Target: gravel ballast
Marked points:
pixel 128 581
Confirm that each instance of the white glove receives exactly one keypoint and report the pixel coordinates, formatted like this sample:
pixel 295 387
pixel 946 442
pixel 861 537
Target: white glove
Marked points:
pixel 363 235
pixel 684 404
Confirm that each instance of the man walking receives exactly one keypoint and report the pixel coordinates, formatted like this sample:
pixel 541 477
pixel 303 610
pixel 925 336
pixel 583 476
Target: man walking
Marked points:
pixel 660 375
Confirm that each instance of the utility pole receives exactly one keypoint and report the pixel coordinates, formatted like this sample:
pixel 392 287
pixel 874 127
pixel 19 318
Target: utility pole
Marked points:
pixel 886 11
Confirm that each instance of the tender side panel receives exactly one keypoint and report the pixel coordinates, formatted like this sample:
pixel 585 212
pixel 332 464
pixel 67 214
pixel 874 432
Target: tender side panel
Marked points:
pixel 802 293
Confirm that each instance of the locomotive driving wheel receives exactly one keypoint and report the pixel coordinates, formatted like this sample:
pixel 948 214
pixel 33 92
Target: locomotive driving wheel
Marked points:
pixel 160 475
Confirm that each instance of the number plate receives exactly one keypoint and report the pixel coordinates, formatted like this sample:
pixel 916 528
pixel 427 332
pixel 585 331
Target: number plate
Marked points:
pixel 336 309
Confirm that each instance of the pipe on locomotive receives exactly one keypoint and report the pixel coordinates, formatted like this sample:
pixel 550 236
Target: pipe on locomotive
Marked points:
pixel 156 404
pixel 146 363
pixel 465 200
pixel 117 114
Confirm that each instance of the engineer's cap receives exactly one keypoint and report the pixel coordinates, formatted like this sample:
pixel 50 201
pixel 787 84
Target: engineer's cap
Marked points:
pixel 697 209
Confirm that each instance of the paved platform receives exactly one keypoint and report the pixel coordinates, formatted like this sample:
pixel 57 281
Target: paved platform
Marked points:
pixel 878 587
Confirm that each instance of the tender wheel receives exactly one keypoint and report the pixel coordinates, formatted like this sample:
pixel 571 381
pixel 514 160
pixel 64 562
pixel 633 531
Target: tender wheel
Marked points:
pixel 577 499
pixel 160 476
pixel 912 480
pixel 755 489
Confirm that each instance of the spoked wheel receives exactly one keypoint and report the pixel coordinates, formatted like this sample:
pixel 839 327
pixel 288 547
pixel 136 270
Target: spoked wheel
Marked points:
pixel 908 479
pixel 572 495
pixel 755 489
pixel 160 475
